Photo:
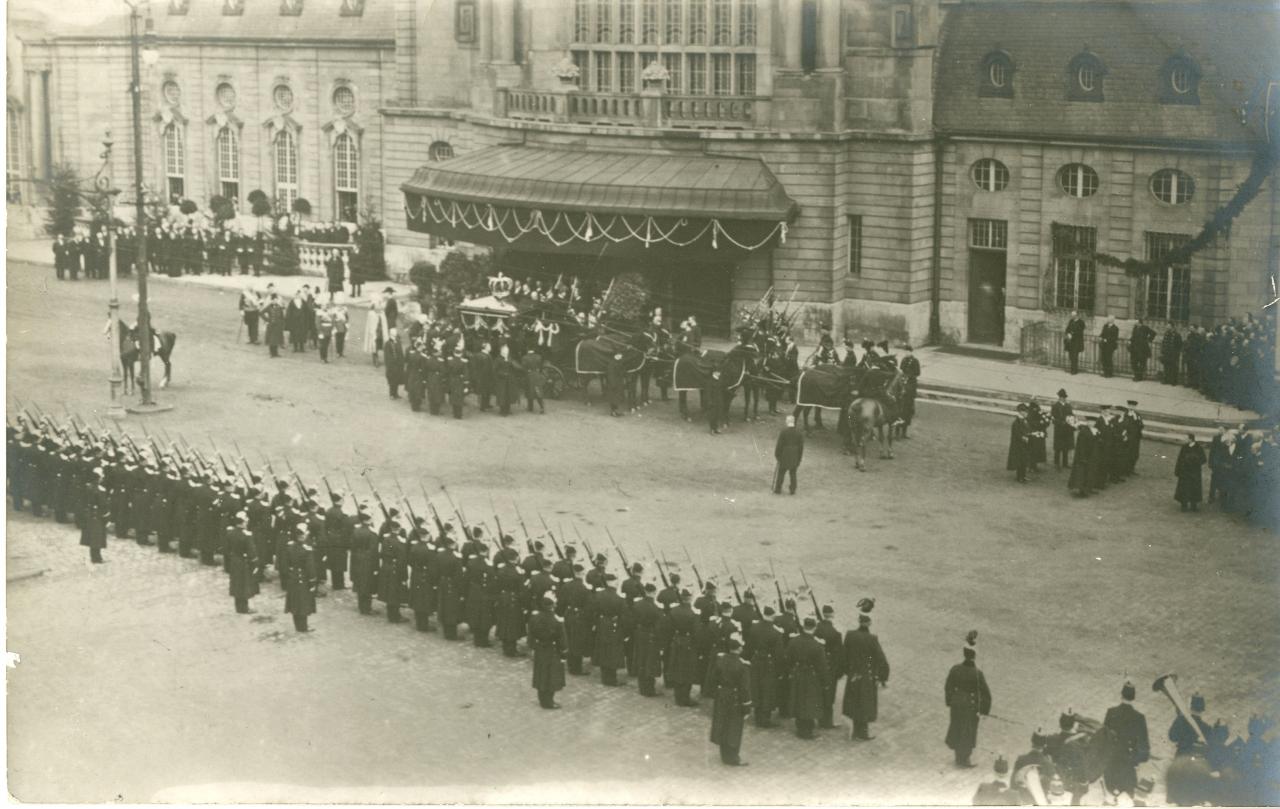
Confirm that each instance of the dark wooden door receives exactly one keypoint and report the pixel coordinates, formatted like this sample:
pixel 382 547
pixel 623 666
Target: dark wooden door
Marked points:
pixel 986 296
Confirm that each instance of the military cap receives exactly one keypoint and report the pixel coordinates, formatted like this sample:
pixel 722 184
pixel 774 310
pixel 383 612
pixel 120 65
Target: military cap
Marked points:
pixel 1001 766
pixel 863 618
pixel 637 568
pixel 1062 392
pixel 768 612
pixel 1127 691
pixel 601 559
pixel 650 588
pixel 809 625
pixel 1197 703
pixel 828 611
pixel 866 604
pixel 725 606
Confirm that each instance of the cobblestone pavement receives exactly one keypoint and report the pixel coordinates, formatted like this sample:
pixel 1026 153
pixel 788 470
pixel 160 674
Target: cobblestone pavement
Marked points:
pixel 137 680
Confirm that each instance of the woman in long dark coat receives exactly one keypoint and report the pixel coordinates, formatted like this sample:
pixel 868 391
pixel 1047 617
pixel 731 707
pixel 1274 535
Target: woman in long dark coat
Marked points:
pixel 242 563
pixel 549 643
pixel 94 533
pixel 1190 489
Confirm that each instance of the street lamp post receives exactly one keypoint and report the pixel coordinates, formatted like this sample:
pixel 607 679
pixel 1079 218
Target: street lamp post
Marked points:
pixel 115 409
pixel 141 49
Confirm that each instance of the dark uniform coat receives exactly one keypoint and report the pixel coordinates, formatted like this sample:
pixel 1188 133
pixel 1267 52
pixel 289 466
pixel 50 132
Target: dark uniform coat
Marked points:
pixel 606 619
pixel 573 600
pixel 867 668
pixel 1190 487
pixel 807 662
pixel 1019 445
pixel 967 696
pixel 452 581
pixel 393 570
pixel 549 643
pixel 647 620
pixel 300 596
pixel 1086 446
pixel 682 660
pixel 768 649
pixel 790 448
pixel 729 682
pixel 364 560
pixel 93 533
pixel 242 562
pixel 1131 747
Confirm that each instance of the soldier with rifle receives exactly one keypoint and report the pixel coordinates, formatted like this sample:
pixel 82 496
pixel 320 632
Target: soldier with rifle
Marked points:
pixel 336 539
pixel 393 563
pixel 451 583
pixel 300 571
pixel 364 560
pixel 684 665
pixel 573 601
pixel 422 559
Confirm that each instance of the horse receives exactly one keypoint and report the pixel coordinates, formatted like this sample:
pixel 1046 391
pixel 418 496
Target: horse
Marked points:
pixel 869 413
pixel 131 350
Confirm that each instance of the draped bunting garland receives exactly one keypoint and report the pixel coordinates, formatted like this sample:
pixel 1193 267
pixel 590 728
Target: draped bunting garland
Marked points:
pixel 589 228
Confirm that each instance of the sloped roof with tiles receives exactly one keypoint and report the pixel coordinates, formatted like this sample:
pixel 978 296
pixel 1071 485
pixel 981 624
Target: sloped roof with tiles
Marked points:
pixel 1233 43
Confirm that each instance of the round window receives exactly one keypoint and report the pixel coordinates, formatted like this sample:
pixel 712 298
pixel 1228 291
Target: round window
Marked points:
pixel 440 150
pixel 1172 187
pixel 990 174
pixel 226 95
pixel 1078 180
pixel 344 100
pixel 172 92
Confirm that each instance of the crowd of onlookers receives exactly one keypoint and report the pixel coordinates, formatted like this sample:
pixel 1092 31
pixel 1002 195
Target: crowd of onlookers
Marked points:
pixel 1232 362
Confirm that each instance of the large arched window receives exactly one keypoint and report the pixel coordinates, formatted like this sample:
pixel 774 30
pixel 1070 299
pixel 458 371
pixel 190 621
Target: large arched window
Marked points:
pixel 228 163
pixel 13 156
pixel 286 158
pixel 175 162
pixel 346 177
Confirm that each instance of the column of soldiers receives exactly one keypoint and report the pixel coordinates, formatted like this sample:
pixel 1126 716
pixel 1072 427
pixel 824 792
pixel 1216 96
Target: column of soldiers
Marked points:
pixel 749 660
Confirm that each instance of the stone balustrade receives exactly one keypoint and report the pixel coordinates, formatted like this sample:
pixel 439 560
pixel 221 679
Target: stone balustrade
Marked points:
pixel 311 257
pixel 651 108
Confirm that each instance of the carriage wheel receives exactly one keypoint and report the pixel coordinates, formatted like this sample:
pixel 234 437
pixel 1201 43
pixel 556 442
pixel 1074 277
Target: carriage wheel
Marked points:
pixel 555 383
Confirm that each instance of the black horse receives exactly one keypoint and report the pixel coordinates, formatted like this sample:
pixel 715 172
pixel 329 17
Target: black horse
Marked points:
pixel 162 344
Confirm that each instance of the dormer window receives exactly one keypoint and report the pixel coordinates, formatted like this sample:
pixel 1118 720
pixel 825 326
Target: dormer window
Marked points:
pixel 1085 76
pixel 996 77
pixel 1180 81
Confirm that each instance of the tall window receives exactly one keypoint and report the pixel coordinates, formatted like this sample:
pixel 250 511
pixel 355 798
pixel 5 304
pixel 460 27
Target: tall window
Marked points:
pixel 13 157
pixel 626 72
pixel 1074 267
pixel 747 23
pixel 675 77
pixel 697 22
pixel 673 32
pixel 722 23
pixel 626 21
pixel 855 244
pixel 228 146
pixel 286 154
pixel 604 17
pixel 604 72
pixel 580 61
pixel 746 74
pixel 649 22
pixel 1168 289
pixel 346 177
pixel 697 74
pixel 721 74
pixel 581 21
pixel 175 162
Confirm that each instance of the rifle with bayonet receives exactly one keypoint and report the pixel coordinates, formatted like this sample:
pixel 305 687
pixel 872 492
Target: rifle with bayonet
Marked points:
pixel 547 528
pixel 694 567
pixel 626 566
pixel 817 612
pixel 658 564
pixel 782 604
pixel 435 515
pixel 386 515
pixel 587 545
pixel 462 519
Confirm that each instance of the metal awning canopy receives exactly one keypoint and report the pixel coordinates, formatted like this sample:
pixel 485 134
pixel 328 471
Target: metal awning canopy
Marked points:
pixel 674 185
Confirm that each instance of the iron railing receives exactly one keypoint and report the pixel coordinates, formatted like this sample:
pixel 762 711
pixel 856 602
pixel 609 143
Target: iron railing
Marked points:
pixel 1043 344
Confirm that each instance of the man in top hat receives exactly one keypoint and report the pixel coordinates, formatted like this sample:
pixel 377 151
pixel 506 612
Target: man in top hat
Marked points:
pixel 968 698
pixel 1019 445
pixel 1108 339
pixel 1131 425
pixel 808 675
pixel 1073 340
pixel 1064 431
pixel 1190 489
pixel 1130 746
pixel 1140 348
pixel 729 682
pixel 868 670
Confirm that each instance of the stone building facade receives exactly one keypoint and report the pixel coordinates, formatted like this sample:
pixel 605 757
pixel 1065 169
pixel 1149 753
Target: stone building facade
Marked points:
pixel 280 96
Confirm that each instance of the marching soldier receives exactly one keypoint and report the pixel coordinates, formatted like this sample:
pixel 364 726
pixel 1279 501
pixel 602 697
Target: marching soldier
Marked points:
pixel 1131 747
pixel 808 678
pixel 868 669
pixel 968 698
pixel 549 642
pixel 729 682
pixel 242 562
pixel 302 576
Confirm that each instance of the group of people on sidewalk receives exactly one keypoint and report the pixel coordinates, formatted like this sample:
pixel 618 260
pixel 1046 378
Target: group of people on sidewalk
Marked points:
pixel 1232 362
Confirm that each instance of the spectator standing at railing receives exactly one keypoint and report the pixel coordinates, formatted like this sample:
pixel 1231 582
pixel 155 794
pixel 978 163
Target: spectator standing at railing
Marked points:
pixel 1192 353
pixel 1140 340
pixel 1073 340
pixel 1170 355
pixel 1107 342
pixel 334 270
